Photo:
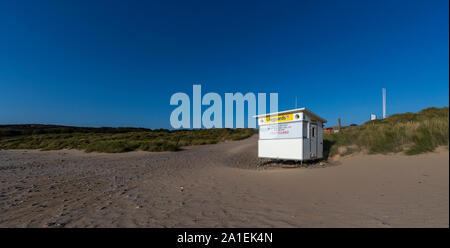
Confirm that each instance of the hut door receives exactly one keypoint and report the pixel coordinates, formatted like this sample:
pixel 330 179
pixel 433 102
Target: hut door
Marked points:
pixel 313 140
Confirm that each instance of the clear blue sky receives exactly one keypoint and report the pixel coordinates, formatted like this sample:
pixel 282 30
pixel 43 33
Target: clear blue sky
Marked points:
pixel 116 63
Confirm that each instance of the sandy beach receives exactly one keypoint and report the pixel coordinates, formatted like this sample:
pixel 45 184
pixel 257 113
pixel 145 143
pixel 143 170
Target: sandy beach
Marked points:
pixel 220 186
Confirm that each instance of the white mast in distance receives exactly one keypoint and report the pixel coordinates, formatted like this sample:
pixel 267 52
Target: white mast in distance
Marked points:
pixel 384 102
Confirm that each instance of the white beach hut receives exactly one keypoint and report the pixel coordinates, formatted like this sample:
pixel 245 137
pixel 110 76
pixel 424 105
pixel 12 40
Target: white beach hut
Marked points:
pixel 295 134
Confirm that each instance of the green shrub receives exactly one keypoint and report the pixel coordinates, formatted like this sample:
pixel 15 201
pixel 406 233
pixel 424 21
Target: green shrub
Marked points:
pixel 112 140
pixel 416 132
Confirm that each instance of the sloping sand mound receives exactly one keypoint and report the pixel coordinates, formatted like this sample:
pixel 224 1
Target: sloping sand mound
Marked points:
pixel 219 186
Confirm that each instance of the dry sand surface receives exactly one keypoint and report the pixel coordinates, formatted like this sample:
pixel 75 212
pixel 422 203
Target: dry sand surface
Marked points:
pixel 219 186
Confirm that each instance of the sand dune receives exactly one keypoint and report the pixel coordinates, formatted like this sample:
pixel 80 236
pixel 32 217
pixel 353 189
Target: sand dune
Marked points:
pixel 219 186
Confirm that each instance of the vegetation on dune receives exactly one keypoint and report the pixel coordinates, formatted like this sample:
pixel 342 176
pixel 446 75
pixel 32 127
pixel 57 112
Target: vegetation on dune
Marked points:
pixel 28 129
pixel 412 133
pixel 111 140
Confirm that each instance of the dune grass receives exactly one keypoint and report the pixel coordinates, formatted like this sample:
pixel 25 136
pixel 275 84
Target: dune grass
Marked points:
pixel 111 140
pixel 411 133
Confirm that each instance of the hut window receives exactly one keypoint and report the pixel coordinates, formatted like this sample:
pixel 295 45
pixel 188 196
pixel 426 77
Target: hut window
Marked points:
pixel 305 129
